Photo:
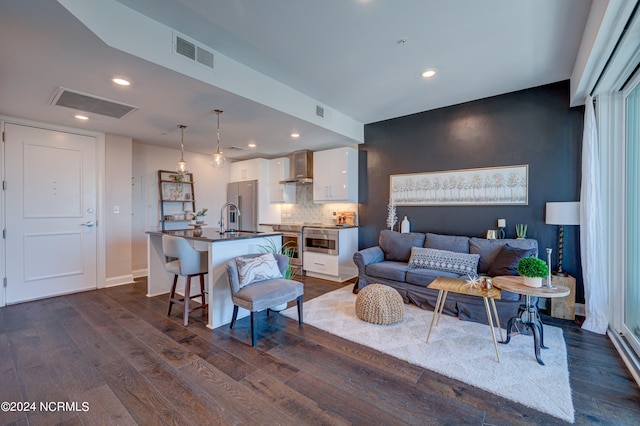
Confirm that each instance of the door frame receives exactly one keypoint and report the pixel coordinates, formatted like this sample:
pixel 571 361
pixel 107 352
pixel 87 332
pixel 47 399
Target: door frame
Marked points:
pixel 100 194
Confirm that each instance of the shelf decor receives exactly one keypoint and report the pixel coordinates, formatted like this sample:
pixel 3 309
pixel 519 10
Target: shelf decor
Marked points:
pixel 468 187
pixel 176 198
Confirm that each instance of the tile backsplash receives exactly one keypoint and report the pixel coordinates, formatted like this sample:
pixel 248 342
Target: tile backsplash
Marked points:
pixel 306 211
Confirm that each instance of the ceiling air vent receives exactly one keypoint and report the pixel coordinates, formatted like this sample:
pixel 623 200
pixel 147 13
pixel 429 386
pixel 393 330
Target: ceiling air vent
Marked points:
pixel 192 51
pixel 90 103
pixel 319 111
pixel 235 148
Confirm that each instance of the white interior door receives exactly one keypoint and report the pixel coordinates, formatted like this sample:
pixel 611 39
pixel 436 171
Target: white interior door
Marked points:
pixel 50 204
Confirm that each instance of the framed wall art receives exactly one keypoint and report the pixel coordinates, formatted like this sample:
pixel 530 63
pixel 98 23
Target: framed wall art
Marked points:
pixel 470 187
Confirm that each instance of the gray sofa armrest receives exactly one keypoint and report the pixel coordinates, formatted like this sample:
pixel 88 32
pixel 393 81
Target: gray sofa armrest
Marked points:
pixel 367 256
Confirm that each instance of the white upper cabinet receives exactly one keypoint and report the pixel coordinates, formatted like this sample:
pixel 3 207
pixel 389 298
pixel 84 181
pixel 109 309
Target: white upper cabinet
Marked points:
pixel 279 171
pixel 244 170
pixel 335 175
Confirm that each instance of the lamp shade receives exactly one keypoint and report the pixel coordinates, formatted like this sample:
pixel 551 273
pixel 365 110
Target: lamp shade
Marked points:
pixel 565 213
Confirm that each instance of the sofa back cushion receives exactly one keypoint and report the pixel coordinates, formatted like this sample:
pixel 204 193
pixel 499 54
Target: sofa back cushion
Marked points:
pixel 489 249
pixel 444 260
pixel 457 243
pixel 397 246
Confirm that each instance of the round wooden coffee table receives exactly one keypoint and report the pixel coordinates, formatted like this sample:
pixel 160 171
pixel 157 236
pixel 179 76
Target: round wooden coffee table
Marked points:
pixel 528 314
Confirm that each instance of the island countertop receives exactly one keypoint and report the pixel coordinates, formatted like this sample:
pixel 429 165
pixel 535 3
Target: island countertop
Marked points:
pixel 212 235
pixel 220 249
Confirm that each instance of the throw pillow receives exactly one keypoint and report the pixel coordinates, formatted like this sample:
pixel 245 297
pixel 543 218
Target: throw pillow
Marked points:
pixel 255 269
pixel 397 246
pixel 489 249
pixel 445 261
pixel 506 263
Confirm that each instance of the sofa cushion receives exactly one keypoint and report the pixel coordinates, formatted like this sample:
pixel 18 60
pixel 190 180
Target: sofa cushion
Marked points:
pixel 423 277
pixel 444 260
pixel 457 243
pixel 489 249
pixel 388 269
pixel 397 246
pixel 506 262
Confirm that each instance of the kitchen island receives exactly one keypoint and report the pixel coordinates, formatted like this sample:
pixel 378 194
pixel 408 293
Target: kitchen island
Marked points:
pixel 220 247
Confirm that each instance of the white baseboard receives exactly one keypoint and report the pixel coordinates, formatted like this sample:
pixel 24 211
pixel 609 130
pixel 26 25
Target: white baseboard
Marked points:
pixel 579 309
pixel 121 280
pixel 140 273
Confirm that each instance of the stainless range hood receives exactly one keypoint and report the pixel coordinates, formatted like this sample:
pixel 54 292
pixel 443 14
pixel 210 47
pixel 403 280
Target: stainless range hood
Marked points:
pixel 300 167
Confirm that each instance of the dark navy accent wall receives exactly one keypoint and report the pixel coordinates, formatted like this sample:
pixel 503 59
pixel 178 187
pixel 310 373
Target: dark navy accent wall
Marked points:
pixel 533 126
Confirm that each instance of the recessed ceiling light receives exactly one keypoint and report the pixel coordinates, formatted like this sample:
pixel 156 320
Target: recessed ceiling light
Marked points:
pixel 81 117
pixel 121 81
pixel 428 73
pixel 251 145
pixel 295 135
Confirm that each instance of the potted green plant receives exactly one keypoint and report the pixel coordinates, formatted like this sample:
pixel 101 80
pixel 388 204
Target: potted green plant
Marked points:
pixel 200 214
pixel 533 270
pixel 521 230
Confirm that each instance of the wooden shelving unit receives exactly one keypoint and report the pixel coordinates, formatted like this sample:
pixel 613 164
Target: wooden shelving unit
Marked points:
pixel 177 196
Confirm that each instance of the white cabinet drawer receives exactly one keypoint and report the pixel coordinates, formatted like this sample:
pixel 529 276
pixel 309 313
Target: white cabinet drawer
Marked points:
pixel 321 263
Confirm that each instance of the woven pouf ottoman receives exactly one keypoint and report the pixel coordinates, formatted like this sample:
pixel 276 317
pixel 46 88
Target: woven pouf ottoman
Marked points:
pixel 379 304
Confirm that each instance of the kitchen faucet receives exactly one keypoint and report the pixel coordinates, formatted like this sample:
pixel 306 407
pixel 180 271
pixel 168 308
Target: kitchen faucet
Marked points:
pixel 221 222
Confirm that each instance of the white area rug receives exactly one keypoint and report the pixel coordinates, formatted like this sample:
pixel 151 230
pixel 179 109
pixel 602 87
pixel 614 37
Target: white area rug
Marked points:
pixel 461 350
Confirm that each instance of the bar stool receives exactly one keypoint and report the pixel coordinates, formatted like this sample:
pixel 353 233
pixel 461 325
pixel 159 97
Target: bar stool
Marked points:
pixel 188 263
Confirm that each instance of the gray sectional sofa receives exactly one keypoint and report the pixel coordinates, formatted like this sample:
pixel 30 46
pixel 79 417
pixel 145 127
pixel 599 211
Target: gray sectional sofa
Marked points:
pixel 409 262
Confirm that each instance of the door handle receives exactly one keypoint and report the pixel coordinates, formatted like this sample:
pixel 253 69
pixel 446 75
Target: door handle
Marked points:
pixel 89 224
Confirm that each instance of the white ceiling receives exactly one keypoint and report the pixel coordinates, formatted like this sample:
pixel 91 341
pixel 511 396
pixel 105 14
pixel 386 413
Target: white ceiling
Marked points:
pixel 344 54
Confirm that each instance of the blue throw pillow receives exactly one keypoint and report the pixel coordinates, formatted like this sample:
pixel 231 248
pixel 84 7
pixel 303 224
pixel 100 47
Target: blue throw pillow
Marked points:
pixel 506 263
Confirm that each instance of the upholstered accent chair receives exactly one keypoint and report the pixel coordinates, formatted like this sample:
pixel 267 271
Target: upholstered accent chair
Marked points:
pixel 257 283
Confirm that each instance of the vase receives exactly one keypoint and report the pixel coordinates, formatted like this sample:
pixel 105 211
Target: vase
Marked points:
pixel 405 226
pixel 533 281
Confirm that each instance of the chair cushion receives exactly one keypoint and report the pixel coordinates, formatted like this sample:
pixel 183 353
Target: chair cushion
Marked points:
pixel 397 246
pixel 444 260
pixel 506 262
pixel 264 294
pixel 258 268
pixel 457 243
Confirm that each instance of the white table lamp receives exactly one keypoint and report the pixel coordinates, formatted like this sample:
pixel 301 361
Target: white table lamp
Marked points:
pixel 565 213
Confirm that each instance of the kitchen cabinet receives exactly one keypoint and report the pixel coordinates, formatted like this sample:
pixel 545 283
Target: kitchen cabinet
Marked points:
pixel 177 199
pixel 335 175
pixel 334 267
pixel 245 170
pixel 279 192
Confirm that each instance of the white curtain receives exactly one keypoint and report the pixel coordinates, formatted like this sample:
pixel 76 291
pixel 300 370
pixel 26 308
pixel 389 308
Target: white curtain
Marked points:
pixel 596 292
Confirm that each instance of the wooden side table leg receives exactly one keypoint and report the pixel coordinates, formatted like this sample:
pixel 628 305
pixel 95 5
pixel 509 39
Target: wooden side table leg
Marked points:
pixel 444 297
pixel 493 332
pixel 435 314
pixel 495 315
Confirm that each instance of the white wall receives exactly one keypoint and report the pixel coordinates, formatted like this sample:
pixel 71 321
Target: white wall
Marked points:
pixel 210 191
pixel 118 151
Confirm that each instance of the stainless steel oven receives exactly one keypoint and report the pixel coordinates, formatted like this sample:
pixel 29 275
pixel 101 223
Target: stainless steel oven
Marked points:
pixel 321 240
pixel 292 238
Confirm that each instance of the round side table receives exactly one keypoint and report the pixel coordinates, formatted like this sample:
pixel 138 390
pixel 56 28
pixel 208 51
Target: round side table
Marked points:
pixel 528 314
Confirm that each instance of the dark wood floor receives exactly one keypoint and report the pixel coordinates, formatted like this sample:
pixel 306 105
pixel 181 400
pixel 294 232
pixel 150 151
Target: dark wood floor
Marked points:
pixel 116 350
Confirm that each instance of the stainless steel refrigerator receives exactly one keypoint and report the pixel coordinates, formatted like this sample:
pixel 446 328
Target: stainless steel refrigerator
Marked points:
pixel 245 196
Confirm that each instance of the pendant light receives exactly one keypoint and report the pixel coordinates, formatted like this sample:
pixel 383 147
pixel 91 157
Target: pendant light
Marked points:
pixel 182 167
pixel 217 158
